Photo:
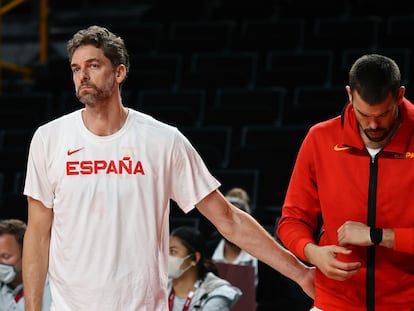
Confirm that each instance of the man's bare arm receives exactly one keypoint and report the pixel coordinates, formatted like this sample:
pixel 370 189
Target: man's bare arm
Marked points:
pixel 243 230
pixel 36 253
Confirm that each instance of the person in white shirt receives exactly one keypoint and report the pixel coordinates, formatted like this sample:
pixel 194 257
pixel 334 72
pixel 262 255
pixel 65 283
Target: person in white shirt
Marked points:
pixel 99 181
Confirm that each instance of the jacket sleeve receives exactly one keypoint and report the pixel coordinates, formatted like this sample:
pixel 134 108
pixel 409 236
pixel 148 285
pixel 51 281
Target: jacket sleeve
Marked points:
pixel 300 210
pixel 404 240
pixel 217 303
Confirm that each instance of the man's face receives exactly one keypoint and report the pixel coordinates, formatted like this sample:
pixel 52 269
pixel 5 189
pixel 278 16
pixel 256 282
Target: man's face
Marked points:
pixel 93 75
pixel 10 252
pixel 377 122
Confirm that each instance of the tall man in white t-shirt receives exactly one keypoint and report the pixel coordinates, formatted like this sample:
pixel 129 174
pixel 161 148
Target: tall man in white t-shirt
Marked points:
pixel 99 182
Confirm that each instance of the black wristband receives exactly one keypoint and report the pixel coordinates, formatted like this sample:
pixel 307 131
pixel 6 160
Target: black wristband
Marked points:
pixel 376 235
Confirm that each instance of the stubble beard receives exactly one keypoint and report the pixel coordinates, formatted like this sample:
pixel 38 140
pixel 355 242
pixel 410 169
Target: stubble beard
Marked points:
pixel 100 94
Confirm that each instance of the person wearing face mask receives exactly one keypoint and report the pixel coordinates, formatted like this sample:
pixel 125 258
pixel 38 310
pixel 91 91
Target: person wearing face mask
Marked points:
pixel 193 281
pixel 11 284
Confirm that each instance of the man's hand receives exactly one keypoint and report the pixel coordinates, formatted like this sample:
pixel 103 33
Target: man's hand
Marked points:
pixel 354 233
pixel 325 258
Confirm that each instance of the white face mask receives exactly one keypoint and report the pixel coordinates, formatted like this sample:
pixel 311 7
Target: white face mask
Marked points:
pixel 174 266
pixel 7 273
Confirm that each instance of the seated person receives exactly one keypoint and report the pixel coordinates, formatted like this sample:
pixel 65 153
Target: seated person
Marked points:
pixel 192 278
pixel 11 283
pixel 226 251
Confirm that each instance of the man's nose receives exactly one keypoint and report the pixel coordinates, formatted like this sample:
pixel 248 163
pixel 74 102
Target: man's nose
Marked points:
pixel 83 75
pixel 373 123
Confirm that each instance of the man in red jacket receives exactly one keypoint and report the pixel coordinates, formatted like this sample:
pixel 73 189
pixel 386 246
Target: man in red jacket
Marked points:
pixel 355 172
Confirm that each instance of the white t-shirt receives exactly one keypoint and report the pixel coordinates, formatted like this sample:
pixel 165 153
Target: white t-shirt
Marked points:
pixel 110 196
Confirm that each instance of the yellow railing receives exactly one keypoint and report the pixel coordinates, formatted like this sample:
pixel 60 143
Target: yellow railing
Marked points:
pixel 25 71
pixel 9 6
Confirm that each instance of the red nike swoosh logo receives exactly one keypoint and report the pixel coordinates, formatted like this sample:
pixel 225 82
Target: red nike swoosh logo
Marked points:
pixel 70 152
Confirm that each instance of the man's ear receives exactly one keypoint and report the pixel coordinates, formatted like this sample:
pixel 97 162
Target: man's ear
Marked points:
pixel 401 93
pixel 348 91
pixel 120 73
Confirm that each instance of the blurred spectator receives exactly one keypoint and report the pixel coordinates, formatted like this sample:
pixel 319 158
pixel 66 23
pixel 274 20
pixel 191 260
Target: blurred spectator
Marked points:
pixel 193 281
pixel 11 284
